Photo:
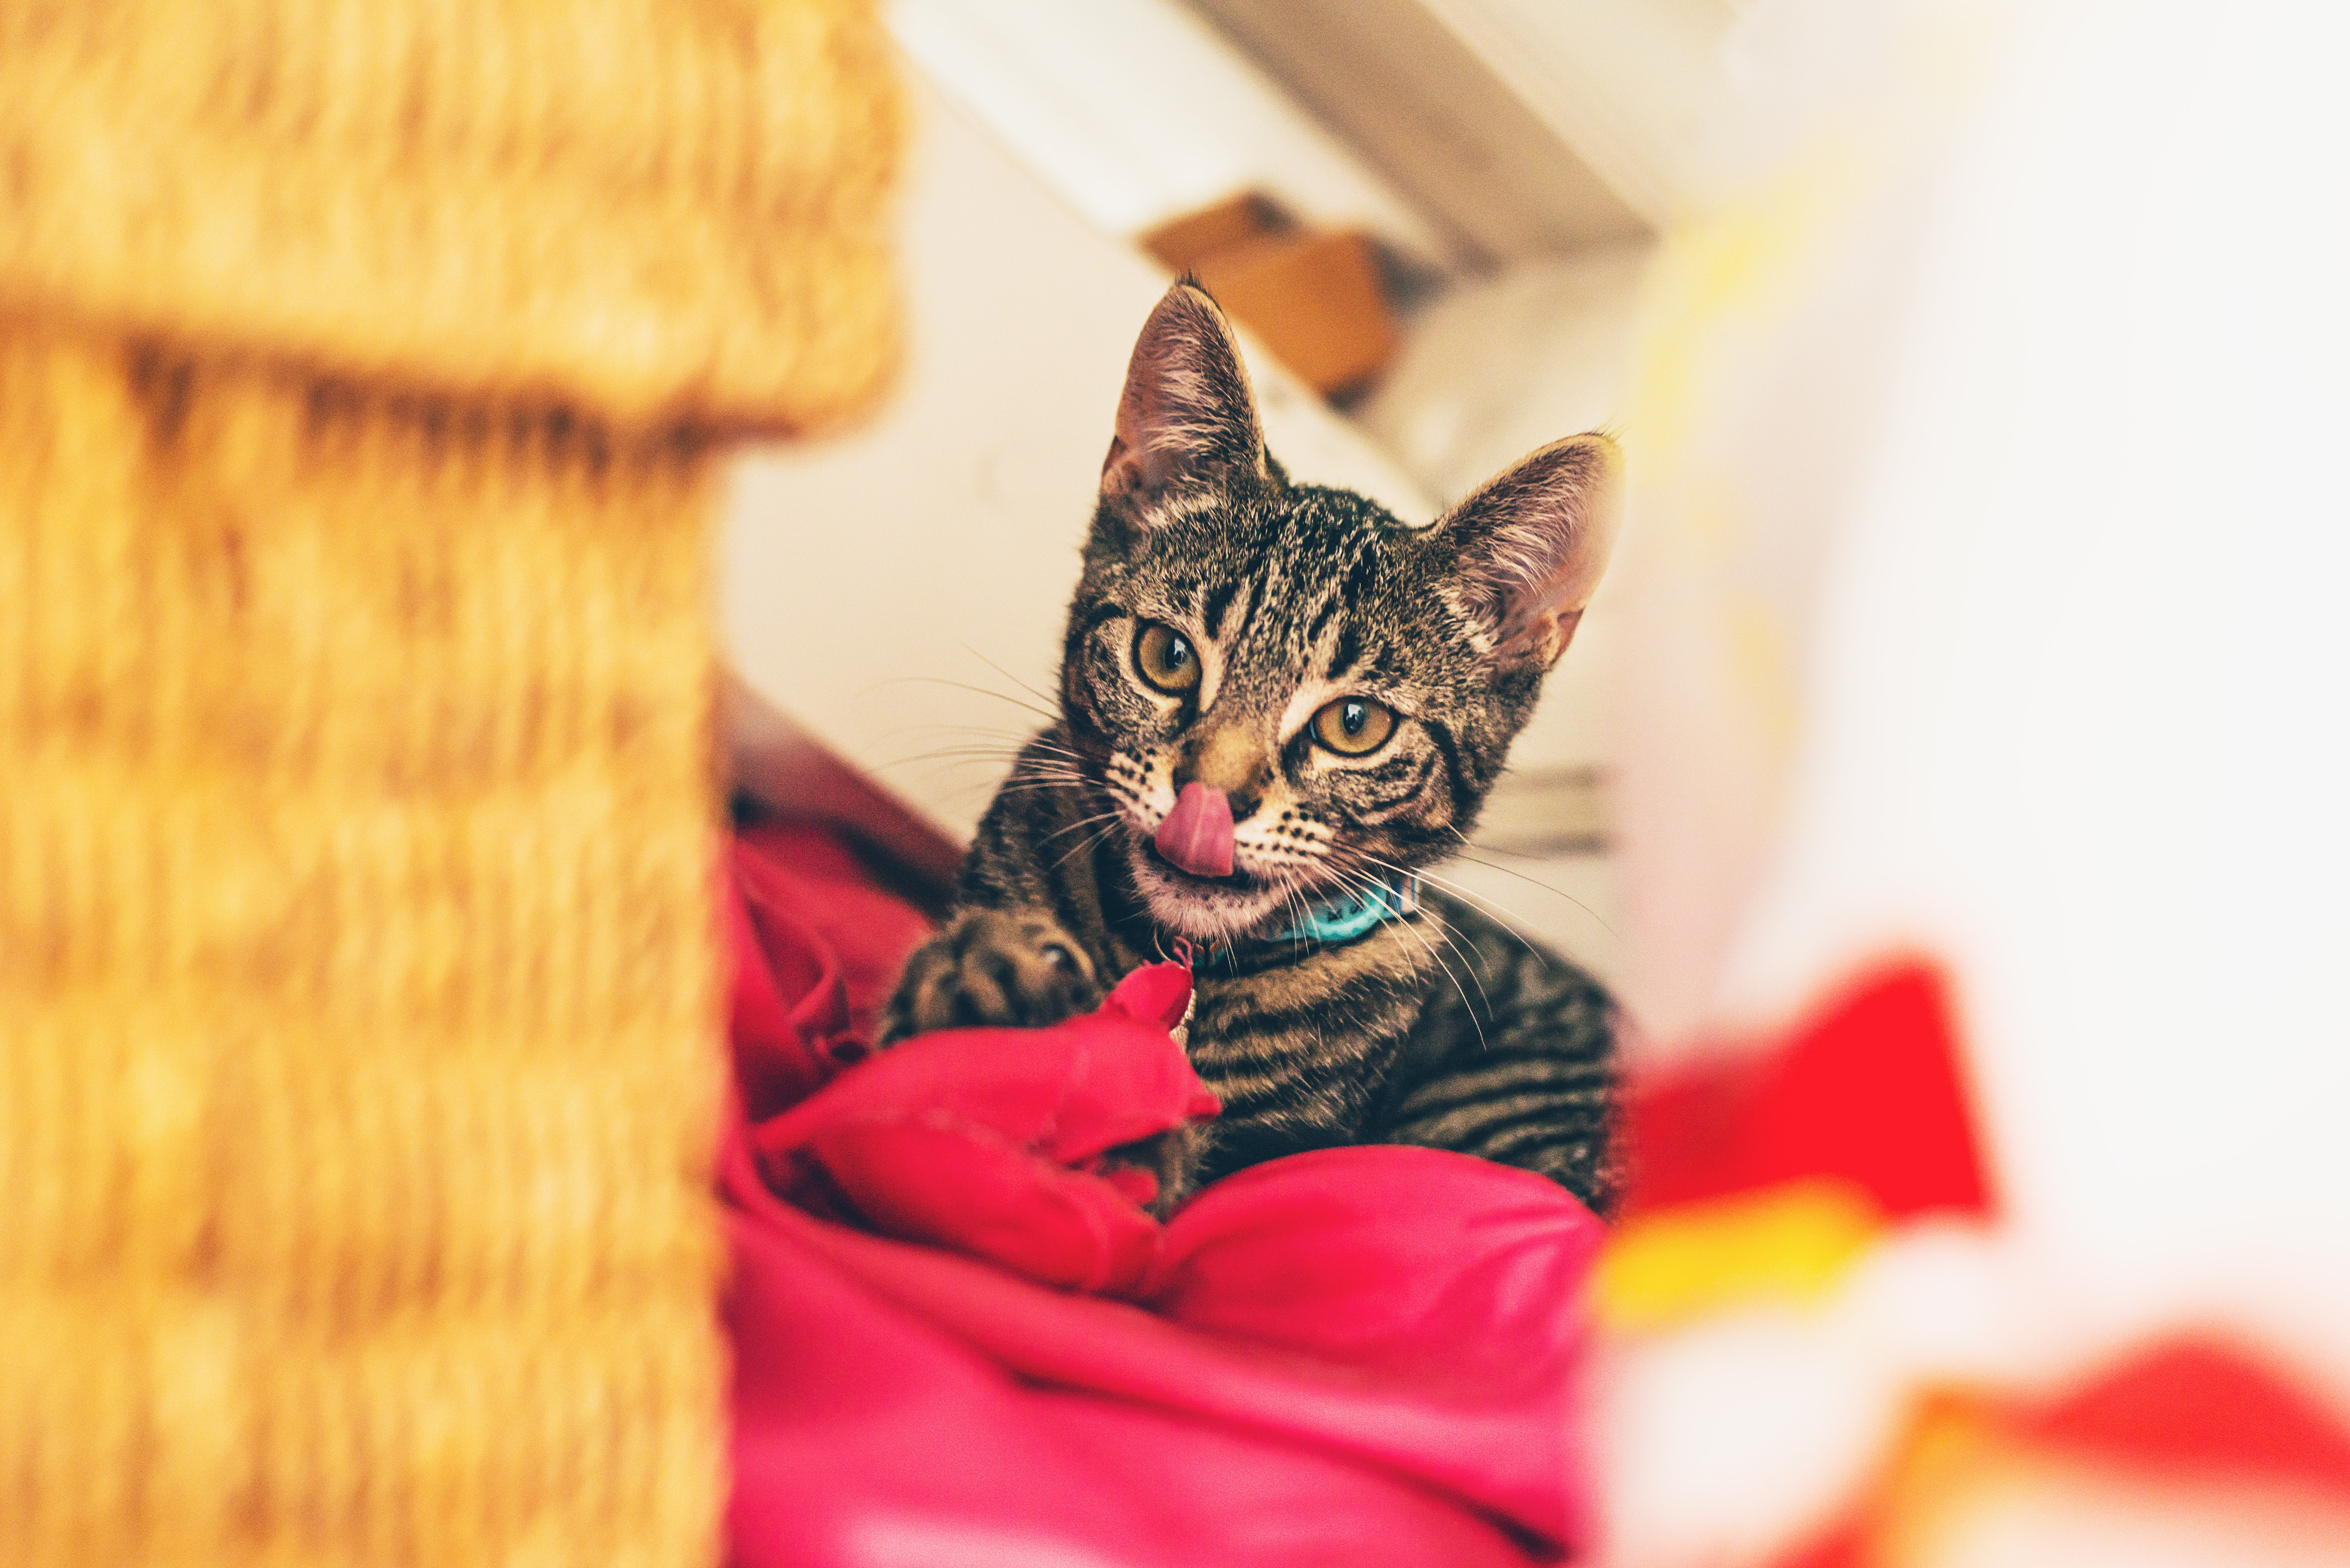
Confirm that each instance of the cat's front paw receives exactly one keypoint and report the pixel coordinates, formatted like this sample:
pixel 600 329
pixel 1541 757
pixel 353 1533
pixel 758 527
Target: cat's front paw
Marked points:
pixel 991 969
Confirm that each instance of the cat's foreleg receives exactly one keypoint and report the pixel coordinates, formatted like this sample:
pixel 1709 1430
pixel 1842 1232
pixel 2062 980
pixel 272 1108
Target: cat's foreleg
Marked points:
pixel 1005 959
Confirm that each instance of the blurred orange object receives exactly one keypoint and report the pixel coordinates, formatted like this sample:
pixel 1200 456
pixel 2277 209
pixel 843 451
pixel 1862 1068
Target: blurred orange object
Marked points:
pixel 1315 299
pixel 1182 243
pixel 2190 1440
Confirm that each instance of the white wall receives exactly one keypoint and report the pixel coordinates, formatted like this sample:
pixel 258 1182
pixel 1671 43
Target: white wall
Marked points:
pixel 1632 86
pixel 1136 111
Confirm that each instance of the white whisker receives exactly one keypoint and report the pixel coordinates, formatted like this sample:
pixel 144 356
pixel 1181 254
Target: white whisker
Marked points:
pixel 1438 959
pixel 1041 696
pixel 1046 714
pixel 1504 917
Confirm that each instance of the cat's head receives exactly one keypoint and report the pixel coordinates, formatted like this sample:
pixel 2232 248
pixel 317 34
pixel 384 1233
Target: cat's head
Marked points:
pixel 1284 689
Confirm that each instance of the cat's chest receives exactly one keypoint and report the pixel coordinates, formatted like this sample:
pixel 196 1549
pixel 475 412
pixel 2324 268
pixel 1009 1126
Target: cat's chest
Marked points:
pixel 1335 1003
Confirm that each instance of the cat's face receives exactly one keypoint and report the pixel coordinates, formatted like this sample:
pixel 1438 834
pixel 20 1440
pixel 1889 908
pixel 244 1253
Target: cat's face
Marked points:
pixel 1283 692
pixel 1293 648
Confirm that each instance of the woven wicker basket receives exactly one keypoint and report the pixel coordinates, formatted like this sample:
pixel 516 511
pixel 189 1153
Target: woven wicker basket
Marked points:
pixel 362 368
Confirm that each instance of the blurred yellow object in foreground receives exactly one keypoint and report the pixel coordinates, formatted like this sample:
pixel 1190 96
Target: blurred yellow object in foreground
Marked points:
pixel 362 376
pixel 1786 1243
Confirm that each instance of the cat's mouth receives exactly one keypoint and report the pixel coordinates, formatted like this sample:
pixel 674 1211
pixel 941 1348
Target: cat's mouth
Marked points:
pixel 1204 908
pixel 1237 881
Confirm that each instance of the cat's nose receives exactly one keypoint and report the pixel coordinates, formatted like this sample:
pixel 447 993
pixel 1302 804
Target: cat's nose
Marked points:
pixel 1231 761
pixel 1241 802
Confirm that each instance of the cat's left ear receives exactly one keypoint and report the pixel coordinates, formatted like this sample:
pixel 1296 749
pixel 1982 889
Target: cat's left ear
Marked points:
pixel 1529 547
pixel 1187 424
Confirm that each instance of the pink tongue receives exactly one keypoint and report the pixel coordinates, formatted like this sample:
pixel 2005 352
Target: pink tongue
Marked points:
pixel 1198 834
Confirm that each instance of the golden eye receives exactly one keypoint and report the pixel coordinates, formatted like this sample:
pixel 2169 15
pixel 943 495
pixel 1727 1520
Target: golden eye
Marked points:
pixel 1354 726
pixel 1166 658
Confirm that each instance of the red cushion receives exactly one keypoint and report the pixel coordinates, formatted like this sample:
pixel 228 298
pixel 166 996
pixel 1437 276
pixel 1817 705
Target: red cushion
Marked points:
pixel 1355 1354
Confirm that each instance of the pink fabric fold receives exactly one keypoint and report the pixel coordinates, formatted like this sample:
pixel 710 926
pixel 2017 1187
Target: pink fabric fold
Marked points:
pixel 1355 1354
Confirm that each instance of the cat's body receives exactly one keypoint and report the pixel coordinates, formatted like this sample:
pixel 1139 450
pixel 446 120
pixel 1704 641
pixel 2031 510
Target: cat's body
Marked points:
pixel 1278 698
pixel 1506 1054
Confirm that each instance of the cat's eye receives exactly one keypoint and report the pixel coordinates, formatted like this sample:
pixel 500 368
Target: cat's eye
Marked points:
pixel 1353 726
pixel 1166 658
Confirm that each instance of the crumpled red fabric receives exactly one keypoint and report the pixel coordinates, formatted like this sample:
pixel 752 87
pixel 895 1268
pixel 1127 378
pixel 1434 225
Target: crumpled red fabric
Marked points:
pixel 990 1141
pixel 959 1340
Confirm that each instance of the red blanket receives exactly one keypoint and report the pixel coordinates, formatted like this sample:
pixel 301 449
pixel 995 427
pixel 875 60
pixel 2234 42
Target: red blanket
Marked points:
pixel 957 1341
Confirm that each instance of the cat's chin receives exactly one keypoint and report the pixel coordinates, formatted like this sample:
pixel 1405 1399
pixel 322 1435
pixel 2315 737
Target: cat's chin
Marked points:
pixel 1204 908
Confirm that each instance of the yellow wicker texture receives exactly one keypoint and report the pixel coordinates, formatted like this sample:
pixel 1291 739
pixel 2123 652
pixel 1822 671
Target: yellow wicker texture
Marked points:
pixel 364 371
pixel 666 209
pixel 356 1003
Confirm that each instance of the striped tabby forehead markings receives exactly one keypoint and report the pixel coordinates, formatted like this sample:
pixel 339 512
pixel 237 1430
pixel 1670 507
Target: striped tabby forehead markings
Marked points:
pixel 1213 603
pixel 1295 638
pixel 1346 651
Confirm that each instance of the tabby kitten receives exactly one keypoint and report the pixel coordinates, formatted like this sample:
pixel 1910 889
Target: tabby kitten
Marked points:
pixel 1278 702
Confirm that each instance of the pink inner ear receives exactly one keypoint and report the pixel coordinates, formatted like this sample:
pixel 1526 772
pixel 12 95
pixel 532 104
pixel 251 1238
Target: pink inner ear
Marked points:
pixel 1186 416
pixel 1541 634
pixel 1533 541
pixel 1198 834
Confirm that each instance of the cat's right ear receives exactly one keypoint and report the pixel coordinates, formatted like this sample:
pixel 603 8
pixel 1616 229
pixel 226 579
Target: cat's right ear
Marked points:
pixel 1528 547
pixel 1187 426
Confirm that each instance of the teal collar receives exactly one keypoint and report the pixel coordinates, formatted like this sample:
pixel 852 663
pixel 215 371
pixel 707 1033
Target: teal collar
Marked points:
pixel 1353 916
pixel 1331 922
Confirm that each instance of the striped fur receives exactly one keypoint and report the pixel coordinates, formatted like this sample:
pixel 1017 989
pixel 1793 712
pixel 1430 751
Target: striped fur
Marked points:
pixel 1443 1028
